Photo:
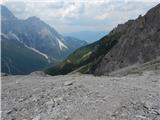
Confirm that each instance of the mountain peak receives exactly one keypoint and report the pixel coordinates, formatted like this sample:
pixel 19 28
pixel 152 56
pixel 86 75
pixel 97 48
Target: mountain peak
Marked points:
pixel 6 14
pixel 33 18
pixel 33 39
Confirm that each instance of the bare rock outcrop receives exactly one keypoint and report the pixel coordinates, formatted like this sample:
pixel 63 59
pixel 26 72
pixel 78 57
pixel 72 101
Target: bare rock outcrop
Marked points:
pixel 139 43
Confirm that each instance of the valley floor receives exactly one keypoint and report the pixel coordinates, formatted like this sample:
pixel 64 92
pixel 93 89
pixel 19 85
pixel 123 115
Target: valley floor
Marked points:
pixel 81 97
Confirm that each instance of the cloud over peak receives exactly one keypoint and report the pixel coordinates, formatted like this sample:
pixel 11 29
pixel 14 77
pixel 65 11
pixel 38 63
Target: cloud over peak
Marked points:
pixel 81 15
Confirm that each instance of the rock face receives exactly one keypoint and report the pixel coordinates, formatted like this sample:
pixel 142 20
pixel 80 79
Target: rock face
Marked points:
pixel 140 43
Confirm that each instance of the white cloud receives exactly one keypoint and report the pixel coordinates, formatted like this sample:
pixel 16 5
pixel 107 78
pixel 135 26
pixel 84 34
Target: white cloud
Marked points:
pixel 103 16
pixel 78 15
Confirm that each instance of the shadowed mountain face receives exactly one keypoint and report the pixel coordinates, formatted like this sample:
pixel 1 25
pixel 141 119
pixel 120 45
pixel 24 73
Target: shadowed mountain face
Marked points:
pixel 17 58
pixel 139 44
pixel 136 41
pixel 36 36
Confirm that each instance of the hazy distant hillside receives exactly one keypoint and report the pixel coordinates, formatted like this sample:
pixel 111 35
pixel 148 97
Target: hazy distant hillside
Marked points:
pixel 89 36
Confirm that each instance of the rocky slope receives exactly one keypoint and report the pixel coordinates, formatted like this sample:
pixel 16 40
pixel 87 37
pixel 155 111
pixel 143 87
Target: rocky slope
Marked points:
pixel 139 44
pixel 81 97
pixel 89 36
pixel 136 41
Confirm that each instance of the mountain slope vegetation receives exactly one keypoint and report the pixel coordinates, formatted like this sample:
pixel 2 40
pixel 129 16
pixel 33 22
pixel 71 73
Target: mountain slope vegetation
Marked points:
pixel 86 57
pixel 136 41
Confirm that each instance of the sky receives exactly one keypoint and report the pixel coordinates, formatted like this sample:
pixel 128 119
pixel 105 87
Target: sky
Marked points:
pixel 80 15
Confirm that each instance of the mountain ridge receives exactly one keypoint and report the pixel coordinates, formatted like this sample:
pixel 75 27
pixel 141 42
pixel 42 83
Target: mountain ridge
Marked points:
pixel 101 60
pixel 33 28
pixel 38 36
pixel 139 44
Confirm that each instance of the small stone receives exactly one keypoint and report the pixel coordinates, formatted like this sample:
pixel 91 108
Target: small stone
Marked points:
pixel 4 74
pixel 148 105
pixel 66 117
pixel 68 83
pixel 37 118
pixel 51 103
pixel 34 99
pixel 58 101
pixel 157 112
pixel 9 112
pixel 154 80
pixel 140 116
pixel 21 99
pixel 17 82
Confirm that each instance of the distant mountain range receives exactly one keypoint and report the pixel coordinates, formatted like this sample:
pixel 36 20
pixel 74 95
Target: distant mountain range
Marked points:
pixel 135 42
pixel 89 36
pixel 31 44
